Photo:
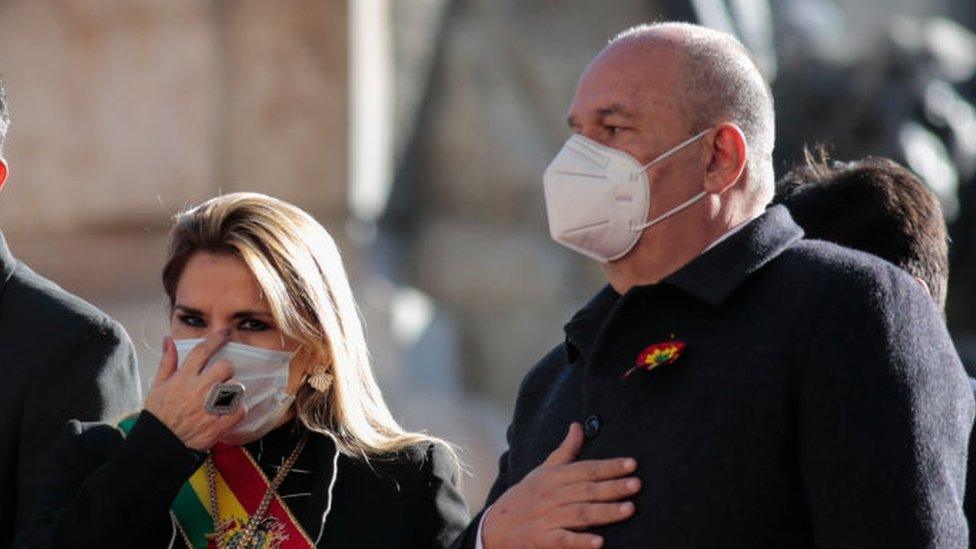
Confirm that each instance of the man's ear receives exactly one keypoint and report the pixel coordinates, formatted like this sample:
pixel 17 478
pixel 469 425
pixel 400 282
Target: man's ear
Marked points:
pixel 727 158
pixel 3 172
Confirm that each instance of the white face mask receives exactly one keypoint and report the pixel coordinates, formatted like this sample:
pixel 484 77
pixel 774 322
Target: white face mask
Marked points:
pixel 597 197
pixel 263 373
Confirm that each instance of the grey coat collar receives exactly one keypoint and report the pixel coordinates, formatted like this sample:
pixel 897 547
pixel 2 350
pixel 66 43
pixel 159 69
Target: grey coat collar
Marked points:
pixel 711 277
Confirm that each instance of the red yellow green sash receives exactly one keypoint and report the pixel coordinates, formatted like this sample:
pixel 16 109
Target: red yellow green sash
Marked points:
pixel 241 484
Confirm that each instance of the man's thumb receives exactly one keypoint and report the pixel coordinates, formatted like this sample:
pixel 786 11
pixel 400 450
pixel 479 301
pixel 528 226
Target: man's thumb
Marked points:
pixel 569 448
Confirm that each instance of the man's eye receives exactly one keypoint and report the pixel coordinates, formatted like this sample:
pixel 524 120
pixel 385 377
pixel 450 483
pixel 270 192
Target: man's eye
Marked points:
pixel 253 325
pixel 193 321
pixel 614 130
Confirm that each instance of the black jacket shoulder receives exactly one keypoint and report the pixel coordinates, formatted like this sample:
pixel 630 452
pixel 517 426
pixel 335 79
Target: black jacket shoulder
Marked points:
pixel 50 307
pixel 60 358
pixel 821 263
pixel 416 489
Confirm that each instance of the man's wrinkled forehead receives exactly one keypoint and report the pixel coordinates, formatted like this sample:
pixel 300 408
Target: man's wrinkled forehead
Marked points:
pixel 626 84
pixel 608 108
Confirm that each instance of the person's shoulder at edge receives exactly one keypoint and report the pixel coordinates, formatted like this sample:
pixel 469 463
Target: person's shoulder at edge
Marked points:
pixel 825 263
pixel 52 309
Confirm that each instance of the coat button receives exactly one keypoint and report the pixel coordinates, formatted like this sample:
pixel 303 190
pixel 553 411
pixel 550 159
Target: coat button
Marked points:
pixel 591 427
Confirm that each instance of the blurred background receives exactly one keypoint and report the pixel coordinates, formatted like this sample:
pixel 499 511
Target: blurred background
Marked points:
pixel 417 131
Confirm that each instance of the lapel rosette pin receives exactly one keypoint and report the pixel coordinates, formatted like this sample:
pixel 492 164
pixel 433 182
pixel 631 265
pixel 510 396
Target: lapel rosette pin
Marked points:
pixel 658 354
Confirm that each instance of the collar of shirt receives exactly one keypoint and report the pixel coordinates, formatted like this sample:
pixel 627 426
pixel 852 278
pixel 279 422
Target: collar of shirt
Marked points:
pixel 725 236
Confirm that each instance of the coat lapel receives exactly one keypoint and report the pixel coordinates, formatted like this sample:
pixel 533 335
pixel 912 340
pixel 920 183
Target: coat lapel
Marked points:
pixel 8 264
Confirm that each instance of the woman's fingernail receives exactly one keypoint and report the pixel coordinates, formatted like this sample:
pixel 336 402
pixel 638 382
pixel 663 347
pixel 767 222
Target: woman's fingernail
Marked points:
pixel 633 484
pixel 630 464
pixel 626 508
pixel 596 543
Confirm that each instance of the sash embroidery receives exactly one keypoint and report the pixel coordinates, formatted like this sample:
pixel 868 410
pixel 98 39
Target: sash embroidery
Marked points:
pixel 241 484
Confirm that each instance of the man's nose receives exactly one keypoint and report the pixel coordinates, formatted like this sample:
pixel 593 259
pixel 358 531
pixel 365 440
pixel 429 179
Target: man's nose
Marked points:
pixel 593 132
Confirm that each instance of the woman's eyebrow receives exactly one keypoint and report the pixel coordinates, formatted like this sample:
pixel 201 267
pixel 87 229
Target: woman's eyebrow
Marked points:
pixel 250 313
pixel 188 310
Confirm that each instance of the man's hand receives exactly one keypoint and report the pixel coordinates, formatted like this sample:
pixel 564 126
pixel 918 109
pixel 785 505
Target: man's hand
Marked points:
pixel 177 396
pixel 559 498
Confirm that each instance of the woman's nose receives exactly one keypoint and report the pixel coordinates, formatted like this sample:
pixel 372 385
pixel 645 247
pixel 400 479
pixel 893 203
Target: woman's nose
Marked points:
pixel 216 328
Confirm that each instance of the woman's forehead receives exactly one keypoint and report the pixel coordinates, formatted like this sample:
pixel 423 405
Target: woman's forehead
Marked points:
pixel 218 279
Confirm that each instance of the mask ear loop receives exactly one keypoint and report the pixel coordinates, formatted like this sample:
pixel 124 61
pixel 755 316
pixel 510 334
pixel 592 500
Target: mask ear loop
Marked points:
pixel 676 148
pixel 684 204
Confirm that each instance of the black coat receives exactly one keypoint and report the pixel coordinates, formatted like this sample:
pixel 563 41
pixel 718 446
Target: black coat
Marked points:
pixel 110 491
pixel 818 403
pixel 60 358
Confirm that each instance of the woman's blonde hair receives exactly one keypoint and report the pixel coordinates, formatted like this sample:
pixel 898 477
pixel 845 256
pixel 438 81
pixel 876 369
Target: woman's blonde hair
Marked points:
pixel 299 270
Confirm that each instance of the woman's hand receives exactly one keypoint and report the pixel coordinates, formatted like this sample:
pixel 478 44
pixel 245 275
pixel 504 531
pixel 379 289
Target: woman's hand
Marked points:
pixel 178 395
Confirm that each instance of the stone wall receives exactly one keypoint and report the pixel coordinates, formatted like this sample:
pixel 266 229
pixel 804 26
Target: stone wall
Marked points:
pixel 125 111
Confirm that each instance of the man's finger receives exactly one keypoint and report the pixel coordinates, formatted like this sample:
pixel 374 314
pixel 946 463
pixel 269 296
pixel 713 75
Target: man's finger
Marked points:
pixel 574 540
pixel 595 470
pixel 586 515
pixel 200 354
pixel 568 449
pixel 607 490
pixel 167 362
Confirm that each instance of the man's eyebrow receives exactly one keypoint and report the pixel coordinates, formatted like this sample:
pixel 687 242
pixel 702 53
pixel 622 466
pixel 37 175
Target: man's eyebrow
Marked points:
pixel 617 109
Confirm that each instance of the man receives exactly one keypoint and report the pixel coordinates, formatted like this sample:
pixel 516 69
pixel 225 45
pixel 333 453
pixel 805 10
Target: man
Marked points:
pixel 772 391
pixel 877 206
pixel 60 358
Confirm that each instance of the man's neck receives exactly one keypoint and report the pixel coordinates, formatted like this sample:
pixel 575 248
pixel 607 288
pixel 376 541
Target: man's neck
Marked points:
pixel 648 265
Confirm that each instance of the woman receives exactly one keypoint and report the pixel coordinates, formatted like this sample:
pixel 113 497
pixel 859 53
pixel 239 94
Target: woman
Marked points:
pixel 264 427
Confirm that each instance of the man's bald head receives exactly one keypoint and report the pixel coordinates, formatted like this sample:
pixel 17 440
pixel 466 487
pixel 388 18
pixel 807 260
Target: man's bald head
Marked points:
pixel 718 82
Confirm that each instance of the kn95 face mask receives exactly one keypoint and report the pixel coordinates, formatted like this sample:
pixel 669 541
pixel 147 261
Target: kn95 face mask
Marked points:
pixel 598 197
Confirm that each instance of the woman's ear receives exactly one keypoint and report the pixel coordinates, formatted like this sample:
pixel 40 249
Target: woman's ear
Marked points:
pixel 727 162
pixel 3 172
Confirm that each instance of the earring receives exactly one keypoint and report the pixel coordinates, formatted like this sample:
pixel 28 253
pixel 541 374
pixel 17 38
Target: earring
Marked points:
pixel 321 380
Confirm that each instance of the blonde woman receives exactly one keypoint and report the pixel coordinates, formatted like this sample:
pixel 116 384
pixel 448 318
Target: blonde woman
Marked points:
pixel 264 427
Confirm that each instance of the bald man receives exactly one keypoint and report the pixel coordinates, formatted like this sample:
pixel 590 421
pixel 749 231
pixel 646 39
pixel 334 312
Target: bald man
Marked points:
pixel 734 385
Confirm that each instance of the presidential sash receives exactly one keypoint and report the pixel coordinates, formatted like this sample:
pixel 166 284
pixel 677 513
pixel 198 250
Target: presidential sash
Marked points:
pixel 240 487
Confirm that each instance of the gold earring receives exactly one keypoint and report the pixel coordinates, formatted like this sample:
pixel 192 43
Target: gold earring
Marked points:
pixel 321 380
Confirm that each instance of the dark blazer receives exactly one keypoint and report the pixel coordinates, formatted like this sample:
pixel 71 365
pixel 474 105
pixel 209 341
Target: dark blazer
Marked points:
pixel 113 492
pixel 970 503
pixel 60 358
pixel 818 403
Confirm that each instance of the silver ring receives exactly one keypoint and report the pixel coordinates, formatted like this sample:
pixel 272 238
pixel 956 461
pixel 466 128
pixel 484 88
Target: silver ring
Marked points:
pixel 224 398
